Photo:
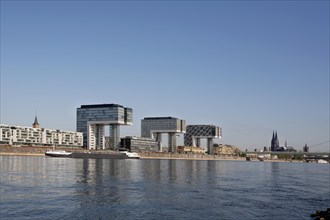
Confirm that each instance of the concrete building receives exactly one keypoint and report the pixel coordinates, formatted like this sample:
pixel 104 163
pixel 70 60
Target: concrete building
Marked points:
pixel 92 119
pixel 194 133
pixel 154 127
pixel 139 144
pixel 20 135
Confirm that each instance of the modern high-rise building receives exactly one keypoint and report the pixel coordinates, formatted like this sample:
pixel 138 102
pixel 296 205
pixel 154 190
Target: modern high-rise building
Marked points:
pixel 154 127
pixel 196 132
pixel 92 119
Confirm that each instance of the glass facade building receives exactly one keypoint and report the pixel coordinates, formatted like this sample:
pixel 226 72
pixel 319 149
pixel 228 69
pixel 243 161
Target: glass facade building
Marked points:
pixel 196 132
pixel 154 127
pixel 92 119
pixel 139 144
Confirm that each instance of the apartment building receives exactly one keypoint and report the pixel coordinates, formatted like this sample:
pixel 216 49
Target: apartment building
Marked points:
pixel 21 135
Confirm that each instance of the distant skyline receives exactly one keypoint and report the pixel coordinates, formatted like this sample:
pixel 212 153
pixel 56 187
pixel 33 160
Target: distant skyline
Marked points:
pixel 250 67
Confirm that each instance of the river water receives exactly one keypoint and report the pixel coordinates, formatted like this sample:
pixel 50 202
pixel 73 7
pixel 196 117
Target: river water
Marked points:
pixel 65 188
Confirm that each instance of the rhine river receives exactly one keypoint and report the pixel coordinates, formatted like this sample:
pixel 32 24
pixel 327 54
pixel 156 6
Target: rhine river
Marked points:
pixel 65 188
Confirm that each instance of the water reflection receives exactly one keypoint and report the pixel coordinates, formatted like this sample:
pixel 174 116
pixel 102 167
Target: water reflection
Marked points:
pixel 139 183
pixel 37 187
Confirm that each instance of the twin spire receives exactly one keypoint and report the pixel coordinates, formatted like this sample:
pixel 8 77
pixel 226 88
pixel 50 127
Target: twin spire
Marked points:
pixel 275 144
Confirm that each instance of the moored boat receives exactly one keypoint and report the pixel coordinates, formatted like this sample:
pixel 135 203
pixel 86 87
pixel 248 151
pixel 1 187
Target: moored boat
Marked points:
pixel 131 155
pixel 57 153
pixel 99 155
pixel 94 154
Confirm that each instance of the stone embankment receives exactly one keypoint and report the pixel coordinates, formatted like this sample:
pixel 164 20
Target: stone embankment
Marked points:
pixel 161 155
pixel 40 151
pixel 18 150
pixel 28 150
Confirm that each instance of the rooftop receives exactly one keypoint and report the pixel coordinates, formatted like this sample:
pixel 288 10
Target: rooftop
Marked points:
pixel 102 106
pixel 158 118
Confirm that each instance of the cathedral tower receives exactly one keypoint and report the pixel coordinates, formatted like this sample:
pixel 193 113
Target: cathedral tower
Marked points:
pixel 275 144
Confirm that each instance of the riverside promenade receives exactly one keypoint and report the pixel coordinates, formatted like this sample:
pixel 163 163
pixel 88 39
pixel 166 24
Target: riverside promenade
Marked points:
pixel 176 156
pixel 9 150
pixel 40 151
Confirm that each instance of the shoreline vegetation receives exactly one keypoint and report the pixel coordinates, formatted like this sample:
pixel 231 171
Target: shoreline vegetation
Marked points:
pixel 8 150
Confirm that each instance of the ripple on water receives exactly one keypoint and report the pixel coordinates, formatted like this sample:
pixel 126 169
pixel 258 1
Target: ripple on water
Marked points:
pixel 159 189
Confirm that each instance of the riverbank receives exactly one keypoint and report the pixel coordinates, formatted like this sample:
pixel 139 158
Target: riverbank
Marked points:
pixel 205 157
pixel 40 151
pixel 174 157
pixel 21 154
pixel 27 150
pixel 177 156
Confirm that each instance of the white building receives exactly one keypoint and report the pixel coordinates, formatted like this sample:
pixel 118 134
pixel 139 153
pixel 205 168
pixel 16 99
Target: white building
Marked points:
pixel 20 135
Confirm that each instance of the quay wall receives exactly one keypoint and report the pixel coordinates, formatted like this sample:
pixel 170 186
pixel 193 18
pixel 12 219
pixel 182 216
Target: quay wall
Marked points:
pixel 40 151
pixel 162 155
pixel 29 150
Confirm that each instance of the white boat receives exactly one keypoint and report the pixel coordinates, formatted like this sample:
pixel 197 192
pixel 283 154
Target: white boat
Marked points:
pixel 57 153
pixel 322 161
pixel 131 155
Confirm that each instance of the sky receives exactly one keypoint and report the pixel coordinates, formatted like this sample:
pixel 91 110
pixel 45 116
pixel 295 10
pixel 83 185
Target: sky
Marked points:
pixel 249 67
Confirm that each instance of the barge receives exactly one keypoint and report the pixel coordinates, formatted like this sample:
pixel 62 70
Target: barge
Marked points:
pixel 94 154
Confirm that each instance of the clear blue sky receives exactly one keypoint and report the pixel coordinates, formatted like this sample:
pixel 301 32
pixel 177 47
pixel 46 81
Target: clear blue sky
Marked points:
pixel 250 67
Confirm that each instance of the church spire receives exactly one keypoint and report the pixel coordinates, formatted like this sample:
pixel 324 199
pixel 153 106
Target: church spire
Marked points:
pixel 277 142
pixel 36 123
pixel 272 145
